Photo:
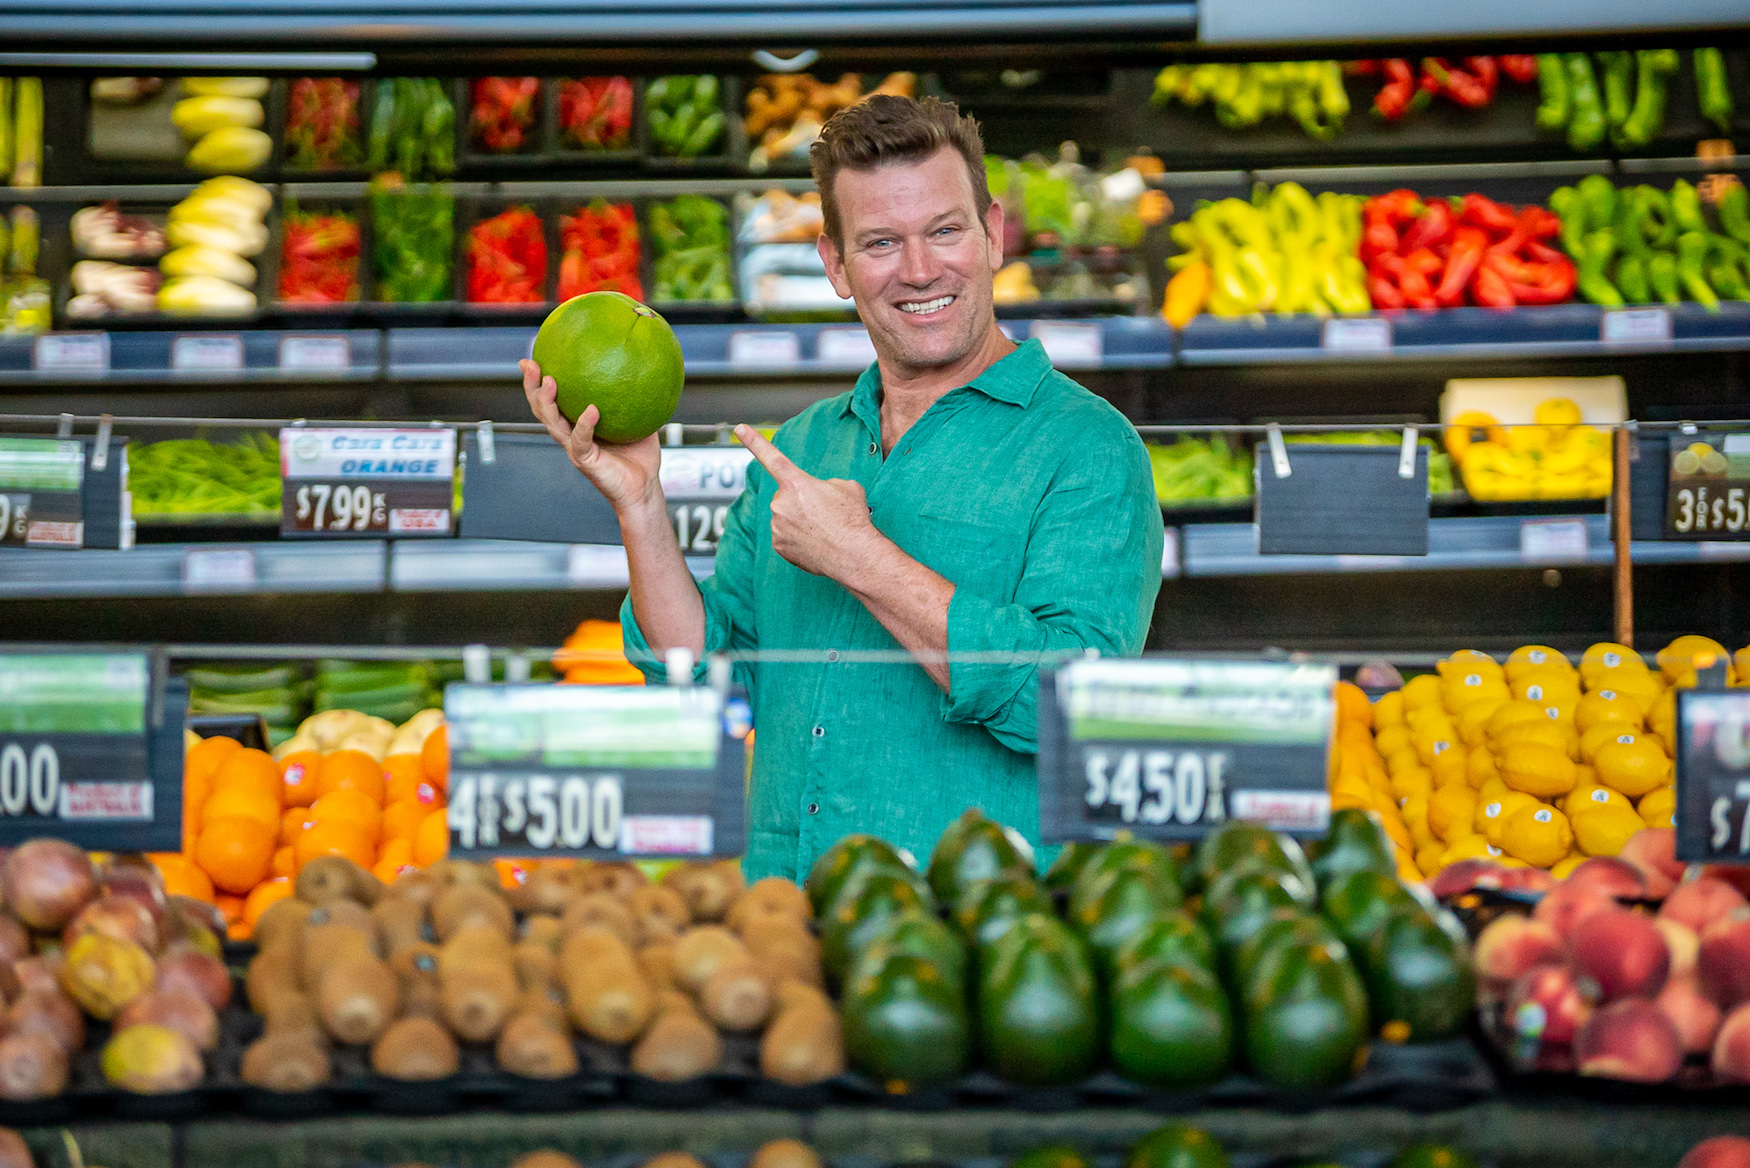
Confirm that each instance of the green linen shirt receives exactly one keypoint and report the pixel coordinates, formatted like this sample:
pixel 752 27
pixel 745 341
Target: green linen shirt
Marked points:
pixel 1034 498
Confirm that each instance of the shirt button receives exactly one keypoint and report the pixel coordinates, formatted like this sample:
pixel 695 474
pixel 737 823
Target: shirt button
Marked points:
pixel 871 448
pixel 832 654
pixel 820 731
pixel 813 808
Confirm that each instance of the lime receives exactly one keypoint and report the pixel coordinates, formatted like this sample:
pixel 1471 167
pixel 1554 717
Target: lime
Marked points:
pixel 607 350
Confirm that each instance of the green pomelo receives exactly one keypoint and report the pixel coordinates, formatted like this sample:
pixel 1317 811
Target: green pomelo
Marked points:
pixel 607 350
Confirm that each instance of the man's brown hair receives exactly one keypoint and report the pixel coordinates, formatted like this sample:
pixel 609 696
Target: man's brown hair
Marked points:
pixel 887 129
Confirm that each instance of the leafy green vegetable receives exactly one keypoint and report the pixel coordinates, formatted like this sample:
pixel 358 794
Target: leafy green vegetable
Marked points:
pixel 192 476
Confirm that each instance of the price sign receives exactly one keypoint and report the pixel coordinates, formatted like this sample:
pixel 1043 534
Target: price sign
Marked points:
pixel 300 353
pixel 85 756
pixel 700 483
pixel 761 348
pixel 1356 334
pixel 845 348
pixel 1553 541
pixel 206 353
pixel 1635 326
pixel 1172 748
pixel 71 354
pixel 1708 496
pixel 42 492
pixel 601 771
pixel 1069 345
pixel 1713 776
pixel 357 482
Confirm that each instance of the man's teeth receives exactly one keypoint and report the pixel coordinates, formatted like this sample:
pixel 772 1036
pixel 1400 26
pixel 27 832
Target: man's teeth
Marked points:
pixel 921 306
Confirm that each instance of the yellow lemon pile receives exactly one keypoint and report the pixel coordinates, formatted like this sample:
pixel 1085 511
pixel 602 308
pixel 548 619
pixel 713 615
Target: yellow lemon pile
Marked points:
pixel 1358 776
pixel 1558 458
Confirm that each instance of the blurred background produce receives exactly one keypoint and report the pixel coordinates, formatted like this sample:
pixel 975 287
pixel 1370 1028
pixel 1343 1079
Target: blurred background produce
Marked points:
pixel 197 477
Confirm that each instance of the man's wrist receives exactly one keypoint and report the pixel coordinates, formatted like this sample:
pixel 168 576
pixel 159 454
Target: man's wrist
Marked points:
pixel 645 516
pixel 870 560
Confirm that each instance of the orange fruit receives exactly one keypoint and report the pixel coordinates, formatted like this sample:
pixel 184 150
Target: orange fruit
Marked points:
pixel 231 908
pixel 405 774
pixel 431 841
pixel 394 856
pixel 401 820
pixel 242 801
pixel 204 757
pixel 252 769
pixel 194 798
pixel 435 757
pixel 182 876
pixel 299 774
pixel 335 838
pixel 513 872
pixel 263 895
pixel 237 853
pixel 285 861
pixel 293 822
pixel 351 770
pixel 348 806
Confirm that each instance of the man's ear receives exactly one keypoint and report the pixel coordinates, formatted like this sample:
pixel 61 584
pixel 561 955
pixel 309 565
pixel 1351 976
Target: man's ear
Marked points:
pixel 993 232
pixel 835 264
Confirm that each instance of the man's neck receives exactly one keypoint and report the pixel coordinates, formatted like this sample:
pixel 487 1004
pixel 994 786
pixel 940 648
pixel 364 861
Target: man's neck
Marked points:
pixel 907 393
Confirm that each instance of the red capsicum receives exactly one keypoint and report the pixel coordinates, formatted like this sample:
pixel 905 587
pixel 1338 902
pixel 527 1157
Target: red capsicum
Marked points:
pixel 504 112
pixel 599 251
pixel 507 259
pixel 1449 252
pixel 1520 67
pixel 319 261
pixel 1400 94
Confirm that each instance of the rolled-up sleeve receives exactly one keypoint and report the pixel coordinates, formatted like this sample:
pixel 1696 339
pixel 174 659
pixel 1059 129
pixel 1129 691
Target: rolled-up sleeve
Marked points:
pixel 1089 580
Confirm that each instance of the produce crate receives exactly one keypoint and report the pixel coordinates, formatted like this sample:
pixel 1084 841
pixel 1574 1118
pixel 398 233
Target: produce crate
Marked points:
pixel 474 209
pixel 571 156
pixel 103 144
pixel 472 154
pixel 690 310
pixel 731 152
pixel 367 94
pixel 321 198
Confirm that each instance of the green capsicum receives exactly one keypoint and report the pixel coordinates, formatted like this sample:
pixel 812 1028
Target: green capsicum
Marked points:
pixel 1686 207
pixel 1692 251
pixel 1565 202
pixel 1662 275
pixel 1734 209
pixel 1631 279
pixel 1557 105
pixel 1587 125
pixel 1653 68
pixel 1591 265
pixel 1726 270
pixel 1713 93
pixel 1618 69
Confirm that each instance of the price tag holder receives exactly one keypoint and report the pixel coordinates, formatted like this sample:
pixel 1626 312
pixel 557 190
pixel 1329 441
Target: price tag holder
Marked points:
pixel 1172 748
pixel 844 348
pixel 206 353
pixel 1713 776
pixel 42 501
pixel 1341 499
pixel 764 348
pixel 71 354
pixel 1553 541
pixel 366 483
pixel 1070 345
pixel 90 750
pixel 700 483
pixel 1708 493
pixel 1356 334
pixel 218 570
pixel 302 354
pixel 1635 326
pixel 607 772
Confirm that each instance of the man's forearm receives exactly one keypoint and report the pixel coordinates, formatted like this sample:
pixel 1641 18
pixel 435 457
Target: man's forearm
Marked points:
pixel 665 600
pixel 909 600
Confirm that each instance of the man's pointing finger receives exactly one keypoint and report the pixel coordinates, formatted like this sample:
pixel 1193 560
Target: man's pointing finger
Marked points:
pixel 774 460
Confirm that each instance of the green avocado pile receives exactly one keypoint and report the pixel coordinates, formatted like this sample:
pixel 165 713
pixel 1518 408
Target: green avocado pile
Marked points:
pixel 1173 967
pixel 1179 1145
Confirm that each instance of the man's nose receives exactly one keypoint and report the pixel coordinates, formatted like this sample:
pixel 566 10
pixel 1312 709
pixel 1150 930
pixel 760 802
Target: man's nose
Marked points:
pixel 919 264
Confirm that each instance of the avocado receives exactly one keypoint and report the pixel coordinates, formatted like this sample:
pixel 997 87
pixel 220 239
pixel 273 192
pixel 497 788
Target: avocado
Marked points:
pixel 1124 853
pixel 1120 904
pixel 840 862
pixel 1177 1146
pixel 1037 1005
pixel 1358 903
pixel 972 848
pixel 1172 938
pixel 1420 981
pixel 921 934
pixel 1355 842
pixel 986 908
pixel 859 913
pixel 1052 1156
pixel 905 1023
pixel 1172 1026
pixel 1432 1156
pixel 1305 1017
pixel 1069 862
pixel 1239 903
pixel 1285 927
pixel 1238 841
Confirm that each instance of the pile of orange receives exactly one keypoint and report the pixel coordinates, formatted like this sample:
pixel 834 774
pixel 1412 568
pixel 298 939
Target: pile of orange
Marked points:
pixel 251 821
pixel 595 654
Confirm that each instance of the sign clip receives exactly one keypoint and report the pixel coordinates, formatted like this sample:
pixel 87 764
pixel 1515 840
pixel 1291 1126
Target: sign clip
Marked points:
pixel 488 446
pixel 1407 454
pixel 64 427
pixel 476 664
pixel 100 449
pixel 1278 452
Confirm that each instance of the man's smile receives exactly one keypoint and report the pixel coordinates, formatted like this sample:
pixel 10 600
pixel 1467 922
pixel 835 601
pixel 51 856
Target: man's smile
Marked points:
pixel 925 307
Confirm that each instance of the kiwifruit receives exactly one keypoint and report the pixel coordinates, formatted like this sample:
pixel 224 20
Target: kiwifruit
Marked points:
pixel 545 1158
pixel 271 971
pixel 736 996
pixel 358 997
pixel 281 923
pixel 709 888
pixel 416 963
pixel 415 1050
pixel 794 993
pixel 600 909
pixel 418 886
pixel 14 1152
pixel 659 913
pixel 700 951
pixel 325 943
pixel 477 998
pixel 329 878
pixel 657 962
pixel 773 897
pixel 422 999
pixel 673 1160
pixel 474 943
pixel 294 1012
pixel 543 930
pixel 783 951
pixel 462 905
pixel 679 1045
pixel 535 964
pixel 607 996
pixel 804 1044
pixel 286 1061
pixel 456 873
pixel 531 1046
pixel 785 1154
pixel 342 912
pixel 546 891
pixel 400 923
pixel 614 877
pixel 32 1066
pixel 591 944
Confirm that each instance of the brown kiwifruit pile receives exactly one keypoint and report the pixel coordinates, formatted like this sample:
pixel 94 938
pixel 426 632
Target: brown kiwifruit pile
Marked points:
pixel 449 956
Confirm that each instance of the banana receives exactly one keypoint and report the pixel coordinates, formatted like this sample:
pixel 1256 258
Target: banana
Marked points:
pixel 233 149
pixel 196 260
pixel 205 296
pixel 223 236
pixel 196 116
pixel 225 86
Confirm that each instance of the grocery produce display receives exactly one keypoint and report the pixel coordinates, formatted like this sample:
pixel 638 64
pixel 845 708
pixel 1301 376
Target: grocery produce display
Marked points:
pixel 183 478
pixel 413 232
pixel 1284 251
pixel 506 258
pixel 1646 245
pixel 504 116
pixel 1554 458
pixel 24 297
pixel 412 129
pixel 684 115
pixel 785 112
pixel 323 126
pixel 595 113
pixel 689 239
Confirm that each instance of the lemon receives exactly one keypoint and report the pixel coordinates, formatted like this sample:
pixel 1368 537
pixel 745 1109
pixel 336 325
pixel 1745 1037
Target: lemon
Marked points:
pixel 1428 856
pixel 1469 846
pixel 1602 829
pixel 1537 768
pixel 1393 821
pixel 1513 713
pixel 1388 710
pixel 1391 740
pixel 1564 867
pixel 1345 793
pixel 1433 741
pixel 1527 658
pixel 1479 768
pixel 1557 412
pixel 1547 687
pixel 1451 809
pixel 1606 705
pixel 1473 722
pixel 1584 776
pixel 1552 734
pixel 1465 661
pixel 1588 797
pixel 1414 809
pixel 1741 665
pixel 1634 768
pixel 1607 655
pixel 1540 836
pixel 1472 689
pixel 1450 767
pixel 1658 806
pixel 1420 691
pixel 1495 814
pixel 1662 716
pixel 1432 716
pixel 1679 660
pixel 1594 739
pixel 1402 760
pixel 1412 781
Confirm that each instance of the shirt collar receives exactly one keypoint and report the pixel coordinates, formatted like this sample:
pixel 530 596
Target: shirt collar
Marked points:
pixel 1013 380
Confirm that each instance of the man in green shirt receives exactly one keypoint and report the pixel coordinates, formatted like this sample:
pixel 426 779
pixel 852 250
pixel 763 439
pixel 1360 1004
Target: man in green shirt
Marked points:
pixel 964 503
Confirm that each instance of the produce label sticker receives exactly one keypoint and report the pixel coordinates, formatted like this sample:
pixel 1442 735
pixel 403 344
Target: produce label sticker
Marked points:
pixel 1709 493
pixel 609 772
pixel 1171 748
pixel 89 752
pixel 700 483
pixel 41 500
pixel 1713 776
pixel 367 482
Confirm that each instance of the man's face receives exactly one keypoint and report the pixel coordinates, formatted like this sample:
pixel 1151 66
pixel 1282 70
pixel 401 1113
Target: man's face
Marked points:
pixel 917 257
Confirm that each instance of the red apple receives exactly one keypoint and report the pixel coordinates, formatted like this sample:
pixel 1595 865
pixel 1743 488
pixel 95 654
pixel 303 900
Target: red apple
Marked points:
pixel 1694 1014
pixel 1461 877
pixel 187 968
pixel 1512 944
pixel 1569 904
pixel 1684 945
pixel 1619 954
pixel 1719 1152
pixel 1610 875
pixel 1545 1006
pixel 117 915
pixel 1631 1039
pixel 1723 962
pixel 1654 851
pixel 47 881
pixel 1731 1054
pixel 1699 903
